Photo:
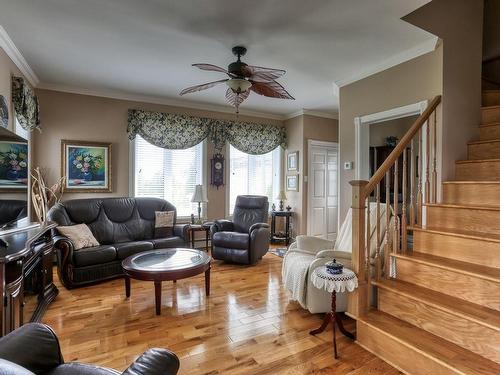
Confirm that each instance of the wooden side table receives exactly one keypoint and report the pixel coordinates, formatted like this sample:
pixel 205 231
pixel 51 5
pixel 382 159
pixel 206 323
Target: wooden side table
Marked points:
pixel 193 228
pixel 274 237
pixel 344 282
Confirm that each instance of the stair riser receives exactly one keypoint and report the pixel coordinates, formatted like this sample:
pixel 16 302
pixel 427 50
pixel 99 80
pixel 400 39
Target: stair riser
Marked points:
pixel 489 132
pixel 491 98
pixel 478 151
pixel 470 250
pixel 397 354
pixel 457 284
pixel 457 329
pixel 472 194
pixel 467 219
pixel 489 115
pixel 479 171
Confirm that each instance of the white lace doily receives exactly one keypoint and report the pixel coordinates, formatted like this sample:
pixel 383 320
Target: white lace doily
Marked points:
pixel 345 281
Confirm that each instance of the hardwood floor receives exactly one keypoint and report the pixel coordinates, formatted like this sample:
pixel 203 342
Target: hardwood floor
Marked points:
pixel 246 326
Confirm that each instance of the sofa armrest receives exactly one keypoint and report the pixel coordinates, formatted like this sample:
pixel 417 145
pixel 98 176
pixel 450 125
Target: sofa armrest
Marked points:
pixel 33 346
pixel 257 226
pixel 64 252
pixel 155 361
pixel 223 225
pixel 344 255
pixel 181 230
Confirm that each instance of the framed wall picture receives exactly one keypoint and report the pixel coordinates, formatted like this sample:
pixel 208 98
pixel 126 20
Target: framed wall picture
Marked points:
pixel 86 166
pixel 13 166
pixel 292 161
pixel 292 182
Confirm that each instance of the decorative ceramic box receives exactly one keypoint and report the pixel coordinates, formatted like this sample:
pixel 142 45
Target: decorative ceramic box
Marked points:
pixel 334 268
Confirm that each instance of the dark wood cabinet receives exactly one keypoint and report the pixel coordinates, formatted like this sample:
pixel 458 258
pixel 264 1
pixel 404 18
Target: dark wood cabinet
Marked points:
pixel 26 284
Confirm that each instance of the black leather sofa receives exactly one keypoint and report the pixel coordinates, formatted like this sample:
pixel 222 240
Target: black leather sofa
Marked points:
pixel 123 226
pixel 245 239
pixel 33 349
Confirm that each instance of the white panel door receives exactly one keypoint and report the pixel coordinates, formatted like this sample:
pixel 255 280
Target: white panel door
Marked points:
pixel 322 192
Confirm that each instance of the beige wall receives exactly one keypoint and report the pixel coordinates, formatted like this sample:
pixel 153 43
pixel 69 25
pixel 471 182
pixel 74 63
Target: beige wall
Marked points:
pixel 300 129
pixel 411 82
pixel 90 118
pixel 396 128
pixel 491 29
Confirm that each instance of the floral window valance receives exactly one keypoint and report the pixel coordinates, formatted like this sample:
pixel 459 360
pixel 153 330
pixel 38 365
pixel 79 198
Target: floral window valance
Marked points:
pixel 174 131
pixel 25 104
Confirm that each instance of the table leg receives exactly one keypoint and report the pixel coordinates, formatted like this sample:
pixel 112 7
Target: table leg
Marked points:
pixel 158 297
pixel 127 286
pixel 207 282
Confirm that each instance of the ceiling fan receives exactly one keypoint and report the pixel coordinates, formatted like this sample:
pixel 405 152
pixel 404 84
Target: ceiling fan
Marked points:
pixel 244 78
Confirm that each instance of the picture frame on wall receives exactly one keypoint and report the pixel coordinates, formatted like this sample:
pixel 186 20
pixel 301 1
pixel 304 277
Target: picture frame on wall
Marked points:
pixel 292 161
pixel 14 166
pixel 86 166
pixel 292 182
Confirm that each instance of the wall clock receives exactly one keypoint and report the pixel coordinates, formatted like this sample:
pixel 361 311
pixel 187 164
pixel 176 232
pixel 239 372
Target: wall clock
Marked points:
pixel 217 167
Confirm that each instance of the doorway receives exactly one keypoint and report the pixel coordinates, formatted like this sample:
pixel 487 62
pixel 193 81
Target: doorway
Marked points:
pixel 322 191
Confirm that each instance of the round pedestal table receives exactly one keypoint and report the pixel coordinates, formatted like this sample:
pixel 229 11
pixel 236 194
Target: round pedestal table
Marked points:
pixel 343 282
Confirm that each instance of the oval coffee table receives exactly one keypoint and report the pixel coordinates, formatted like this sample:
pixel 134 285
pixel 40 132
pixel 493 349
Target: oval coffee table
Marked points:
pixel 166 264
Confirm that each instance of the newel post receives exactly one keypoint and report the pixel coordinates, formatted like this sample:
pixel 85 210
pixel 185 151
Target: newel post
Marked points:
pixel 358 300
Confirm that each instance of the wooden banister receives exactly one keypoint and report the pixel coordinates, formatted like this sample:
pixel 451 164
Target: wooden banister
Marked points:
pixel 415 174
pixel 400 147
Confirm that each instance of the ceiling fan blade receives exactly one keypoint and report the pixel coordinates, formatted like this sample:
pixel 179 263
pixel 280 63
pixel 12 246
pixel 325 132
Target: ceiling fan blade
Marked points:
pixel 201 87
pixel 211 67
pixel 234 98
pixel 270 89
pixel 261 74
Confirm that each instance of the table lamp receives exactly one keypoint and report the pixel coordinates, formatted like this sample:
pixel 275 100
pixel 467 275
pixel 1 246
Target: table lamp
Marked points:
pixel 199 196
pixel 281 197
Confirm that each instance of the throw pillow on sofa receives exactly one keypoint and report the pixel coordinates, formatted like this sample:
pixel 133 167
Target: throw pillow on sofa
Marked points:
pixel 80 235
pixel 164 223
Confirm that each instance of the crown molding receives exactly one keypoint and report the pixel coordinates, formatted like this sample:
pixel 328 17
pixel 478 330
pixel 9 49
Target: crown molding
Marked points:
pixel 303 112
pixel 15 55
pixel 158 100
pixel 419 50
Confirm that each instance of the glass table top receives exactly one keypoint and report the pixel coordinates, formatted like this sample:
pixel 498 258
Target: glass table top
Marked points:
pixel 167 260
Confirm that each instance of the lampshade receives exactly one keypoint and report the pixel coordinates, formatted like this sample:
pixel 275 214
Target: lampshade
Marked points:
pixel 239 84
pixel 199 195
pixel 281 196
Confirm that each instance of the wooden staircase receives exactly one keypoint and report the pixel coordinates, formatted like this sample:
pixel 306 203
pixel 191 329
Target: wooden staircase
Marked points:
pixel 440 314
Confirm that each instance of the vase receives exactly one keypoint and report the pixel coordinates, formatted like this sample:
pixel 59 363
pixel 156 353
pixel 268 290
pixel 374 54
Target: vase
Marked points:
pixel 12 175
pixel 87 176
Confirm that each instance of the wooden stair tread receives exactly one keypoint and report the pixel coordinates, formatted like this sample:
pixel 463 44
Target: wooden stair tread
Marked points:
pixel 496 182
pixel 460 233
pixel 476 161
pixel 490 107
pixel 475 270
pixel 463 206
pixel 489 124
pixel 471 311
pixel 483 141
pixel 451 355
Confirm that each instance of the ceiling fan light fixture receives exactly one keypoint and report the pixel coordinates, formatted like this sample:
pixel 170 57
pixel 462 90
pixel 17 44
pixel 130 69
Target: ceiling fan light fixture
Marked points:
pixel 239 85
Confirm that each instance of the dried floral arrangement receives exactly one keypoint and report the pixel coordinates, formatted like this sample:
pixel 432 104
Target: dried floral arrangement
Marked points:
pixel 44 197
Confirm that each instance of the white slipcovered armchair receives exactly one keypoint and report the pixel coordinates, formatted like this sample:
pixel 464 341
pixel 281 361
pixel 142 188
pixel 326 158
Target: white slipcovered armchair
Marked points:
pixel 307 253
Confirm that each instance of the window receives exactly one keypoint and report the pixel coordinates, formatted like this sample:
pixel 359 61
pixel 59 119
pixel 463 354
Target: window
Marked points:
pixel 168 174
pixel 253 174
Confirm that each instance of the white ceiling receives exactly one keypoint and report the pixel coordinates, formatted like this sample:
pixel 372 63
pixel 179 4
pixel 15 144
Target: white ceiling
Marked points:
pixel 145 48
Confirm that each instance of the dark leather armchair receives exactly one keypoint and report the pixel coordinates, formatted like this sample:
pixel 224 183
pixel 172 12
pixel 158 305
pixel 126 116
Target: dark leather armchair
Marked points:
pixel 245 239
pixel 34 349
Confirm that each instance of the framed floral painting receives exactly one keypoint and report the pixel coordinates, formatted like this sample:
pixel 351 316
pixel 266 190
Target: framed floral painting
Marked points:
pixel 86 166
pixel 13 166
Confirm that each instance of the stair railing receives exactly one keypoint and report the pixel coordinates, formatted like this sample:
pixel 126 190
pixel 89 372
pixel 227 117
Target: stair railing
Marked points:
pixel 409 177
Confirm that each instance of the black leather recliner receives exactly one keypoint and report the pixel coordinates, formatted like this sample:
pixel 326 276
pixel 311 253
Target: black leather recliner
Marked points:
pixel 12 210
pixel 123 227
pixel 33 349
pixel 245 239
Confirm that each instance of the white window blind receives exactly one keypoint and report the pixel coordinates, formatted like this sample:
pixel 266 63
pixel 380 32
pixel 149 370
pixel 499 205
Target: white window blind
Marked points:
pixel 168 174
pixel 253 174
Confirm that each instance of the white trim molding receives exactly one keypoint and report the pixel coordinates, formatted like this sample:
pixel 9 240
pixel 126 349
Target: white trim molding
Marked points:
pixel 302 112
pixel 409 54
pixel 15 55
